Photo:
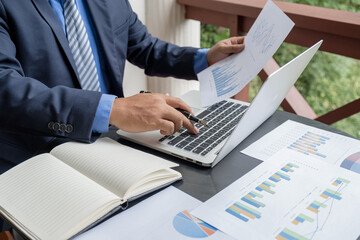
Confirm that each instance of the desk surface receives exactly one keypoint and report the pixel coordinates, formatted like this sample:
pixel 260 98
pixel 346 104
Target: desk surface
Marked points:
pixel 202 182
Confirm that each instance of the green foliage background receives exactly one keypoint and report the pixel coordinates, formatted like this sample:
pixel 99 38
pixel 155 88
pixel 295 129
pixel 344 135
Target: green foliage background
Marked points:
pixel 328 82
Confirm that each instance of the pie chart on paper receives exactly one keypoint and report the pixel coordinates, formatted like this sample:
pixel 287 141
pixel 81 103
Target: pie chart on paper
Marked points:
pixel 191 226
pixel 352 162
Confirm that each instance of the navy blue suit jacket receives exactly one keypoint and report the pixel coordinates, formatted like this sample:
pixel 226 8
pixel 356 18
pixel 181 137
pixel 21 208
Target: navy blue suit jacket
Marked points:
pixel 38 80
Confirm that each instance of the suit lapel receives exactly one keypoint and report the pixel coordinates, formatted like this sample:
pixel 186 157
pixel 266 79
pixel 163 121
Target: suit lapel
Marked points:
pixel 45 10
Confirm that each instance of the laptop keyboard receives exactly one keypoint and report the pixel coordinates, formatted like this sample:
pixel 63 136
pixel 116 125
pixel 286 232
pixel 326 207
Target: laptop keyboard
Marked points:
pixel 222 117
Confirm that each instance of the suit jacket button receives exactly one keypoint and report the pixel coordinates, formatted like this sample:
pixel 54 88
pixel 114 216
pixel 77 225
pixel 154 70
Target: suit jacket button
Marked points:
pixel 50 125
pixel 69 128
pixel 62 127
pixel 56 126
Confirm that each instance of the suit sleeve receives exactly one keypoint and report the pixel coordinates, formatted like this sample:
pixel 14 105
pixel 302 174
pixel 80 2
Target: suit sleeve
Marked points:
pixel 27 106
pixel 157 57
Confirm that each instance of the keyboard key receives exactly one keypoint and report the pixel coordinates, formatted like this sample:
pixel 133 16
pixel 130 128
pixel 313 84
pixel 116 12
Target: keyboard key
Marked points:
pixel 222 132
pixel 171 137
pixel 198 150
pixel 227 128
pixel 204 153
pixel 196 142
pixel 193 145
pixel 211 131
pixel 216 127
pixel 185 134
pixel 209 141
pixel 191 137
pixel 189 148
pixel 209 149
pixel 243 107
pixel 213 139
pixel 181 144
pixel 203 114
pixel 214 145
pixel 203 129
pixel 228 104
pixel 216 105
pixel 162 139
pixel 202 138
pixel 204 145
pixel 218 135
pixel 206 135
pixel 175 141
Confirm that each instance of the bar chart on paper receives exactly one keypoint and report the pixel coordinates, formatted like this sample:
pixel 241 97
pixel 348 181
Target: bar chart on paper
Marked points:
pixel 323 145
pixel 225 77
pixel 291 196
pixel 309 143
pixel 244 209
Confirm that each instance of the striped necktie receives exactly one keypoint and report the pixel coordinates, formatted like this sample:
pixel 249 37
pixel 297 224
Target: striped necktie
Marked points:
pixel 80 47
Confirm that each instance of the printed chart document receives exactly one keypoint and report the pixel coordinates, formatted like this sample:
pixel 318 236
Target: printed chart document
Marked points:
pixel 324 145
pixel 162 216
pixel 227 77
pixel 291 196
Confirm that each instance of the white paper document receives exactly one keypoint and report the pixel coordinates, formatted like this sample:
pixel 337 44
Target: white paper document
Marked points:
pixel 164 215
pixel 227 77
pixel 291 196
pixel 324 145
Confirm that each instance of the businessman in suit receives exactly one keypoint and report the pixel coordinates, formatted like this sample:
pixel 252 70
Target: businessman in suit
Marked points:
pixel 61 71
pixel 46 95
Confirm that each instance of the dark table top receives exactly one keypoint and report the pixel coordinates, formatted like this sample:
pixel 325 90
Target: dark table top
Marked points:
pixel 203 182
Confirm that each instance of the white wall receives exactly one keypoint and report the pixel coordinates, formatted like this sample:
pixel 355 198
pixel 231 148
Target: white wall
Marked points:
pixel 134 77
pixel 165 19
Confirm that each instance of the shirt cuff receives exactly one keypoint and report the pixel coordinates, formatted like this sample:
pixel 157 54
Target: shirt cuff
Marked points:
pixel 200 61
pixel 102 116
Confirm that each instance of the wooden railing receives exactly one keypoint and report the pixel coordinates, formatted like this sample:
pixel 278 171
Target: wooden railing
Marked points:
pixel 6 236
pixel 340 31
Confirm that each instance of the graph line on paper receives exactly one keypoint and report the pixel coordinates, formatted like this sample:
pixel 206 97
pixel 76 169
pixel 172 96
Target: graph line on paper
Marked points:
pixel 317 213
pixel 263 36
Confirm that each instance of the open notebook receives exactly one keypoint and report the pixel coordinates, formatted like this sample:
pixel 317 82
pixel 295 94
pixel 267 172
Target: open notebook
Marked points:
pixel 56 195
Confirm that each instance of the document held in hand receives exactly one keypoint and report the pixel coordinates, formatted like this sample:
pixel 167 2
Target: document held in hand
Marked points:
pixel 228 77
pixel 57 195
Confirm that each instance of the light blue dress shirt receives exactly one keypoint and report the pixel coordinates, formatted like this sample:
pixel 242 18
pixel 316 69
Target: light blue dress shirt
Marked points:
pixel 102 116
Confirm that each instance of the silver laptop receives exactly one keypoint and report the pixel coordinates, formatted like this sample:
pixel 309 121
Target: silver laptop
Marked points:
pixel 231 121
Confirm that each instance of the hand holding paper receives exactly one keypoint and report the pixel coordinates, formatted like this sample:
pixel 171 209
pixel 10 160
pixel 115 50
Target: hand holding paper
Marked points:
pixel 226 78
pixel 224 49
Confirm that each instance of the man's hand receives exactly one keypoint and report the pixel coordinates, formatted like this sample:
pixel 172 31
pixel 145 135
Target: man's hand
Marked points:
pixel 225 48
pixel 147 111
